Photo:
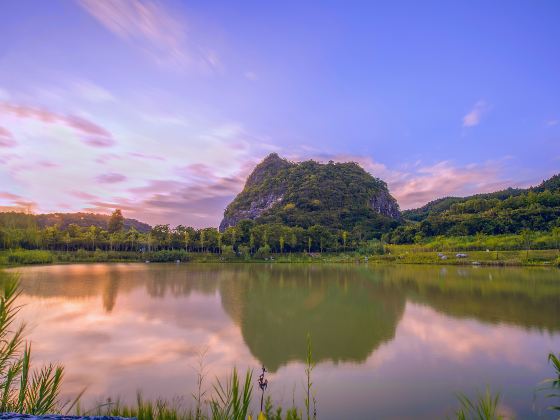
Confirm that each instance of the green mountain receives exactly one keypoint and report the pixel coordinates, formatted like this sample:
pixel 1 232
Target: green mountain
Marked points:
pixel 335 195
pixel 507 211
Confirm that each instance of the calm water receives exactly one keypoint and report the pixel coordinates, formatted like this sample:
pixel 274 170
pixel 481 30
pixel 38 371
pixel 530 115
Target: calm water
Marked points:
pixel 390 342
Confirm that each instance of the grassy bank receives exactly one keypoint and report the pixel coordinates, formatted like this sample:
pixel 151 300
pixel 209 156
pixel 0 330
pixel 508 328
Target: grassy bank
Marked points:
pixel 392 254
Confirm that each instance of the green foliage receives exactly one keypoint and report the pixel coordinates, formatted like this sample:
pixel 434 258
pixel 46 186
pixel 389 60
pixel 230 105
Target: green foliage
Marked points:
pixel 552 385
pixel 23 389
pixel 29 257
pixel 167 255
pixel 143 410
pixel 309 366
pixel 231 400
pixel 509 211
pixel 116 222
pixel 334 195
pixel 485 407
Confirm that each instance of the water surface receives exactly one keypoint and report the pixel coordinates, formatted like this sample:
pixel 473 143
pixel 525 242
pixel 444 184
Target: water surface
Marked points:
pixel 390 342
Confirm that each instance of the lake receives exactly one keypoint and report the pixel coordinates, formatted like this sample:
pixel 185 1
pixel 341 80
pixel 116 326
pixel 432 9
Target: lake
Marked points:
pixel 390 342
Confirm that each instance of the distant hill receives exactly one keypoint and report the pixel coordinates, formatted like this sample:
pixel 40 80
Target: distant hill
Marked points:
pixel 62 220
pixel 336 195
pixel 507 211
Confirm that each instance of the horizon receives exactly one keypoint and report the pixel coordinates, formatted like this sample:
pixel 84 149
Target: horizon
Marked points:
pixel 108 214
pixel 162 109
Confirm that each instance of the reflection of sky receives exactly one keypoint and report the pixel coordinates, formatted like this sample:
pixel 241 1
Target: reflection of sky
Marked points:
pixel 153 341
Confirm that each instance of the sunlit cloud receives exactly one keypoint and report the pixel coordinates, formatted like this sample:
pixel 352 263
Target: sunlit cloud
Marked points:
pixel 475 114
pixel 6 138
pixel 90 133
pixel 155 30
pixel 414 189
pixel 110 178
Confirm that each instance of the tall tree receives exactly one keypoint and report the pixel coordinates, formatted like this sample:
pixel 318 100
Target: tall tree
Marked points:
pixel 116 222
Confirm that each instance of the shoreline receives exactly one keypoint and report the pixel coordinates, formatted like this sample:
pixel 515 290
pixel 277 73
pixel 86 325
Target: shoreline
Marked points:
pixel 536 258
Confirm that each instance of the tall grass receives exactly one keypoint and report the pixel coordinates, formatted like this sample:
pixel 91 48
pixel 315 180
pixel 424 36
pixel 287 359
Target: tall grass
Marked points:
pixel 23 389
pixel 552 385
pixel 22 257
pixel 485 407
pixel 231 400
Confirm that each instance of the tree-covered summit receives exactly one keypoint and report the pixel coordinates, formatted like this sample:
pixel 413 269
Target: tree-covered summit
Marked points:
pixel 334 195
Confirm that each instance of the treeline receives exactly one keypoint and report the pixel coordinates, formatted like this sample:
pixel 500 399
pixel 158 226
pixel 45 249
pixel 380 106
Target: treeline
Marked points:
pixel 245 238
pixel 506 212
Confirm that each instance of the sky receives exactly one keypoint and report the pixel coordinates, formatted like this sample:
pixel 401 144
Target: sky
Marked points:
pixel 162 108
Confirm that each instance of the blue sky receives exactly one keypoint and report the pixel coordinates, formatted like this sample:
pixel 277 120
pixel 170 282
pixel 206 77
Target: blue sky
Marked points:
pixel 162 108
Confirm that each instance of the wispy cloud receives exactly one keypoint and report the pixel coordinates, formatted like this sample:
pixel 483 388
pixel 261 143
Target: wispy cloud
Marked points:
pixel 552 123
pixel 111 178
pixel 150 27
pixel 92 92
pixel 90 133
pixel 414 189
pixel 6 138
pixel 474 116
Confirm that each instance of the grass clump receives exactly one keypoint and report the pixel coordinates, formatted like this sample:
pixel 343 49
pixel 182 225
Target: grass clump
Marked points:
pixel 23 390
pixel 485 407
pixel 29 257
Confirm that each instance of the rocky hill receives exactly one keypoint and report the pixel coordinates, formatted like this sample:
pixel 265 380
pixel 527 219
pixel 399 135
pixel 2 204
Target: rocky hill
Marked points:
pixel 337 195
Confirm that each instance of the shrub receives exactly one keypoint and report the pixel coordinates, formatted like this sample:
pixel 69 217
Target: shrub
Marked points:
pixel 167 255
pixel 30 257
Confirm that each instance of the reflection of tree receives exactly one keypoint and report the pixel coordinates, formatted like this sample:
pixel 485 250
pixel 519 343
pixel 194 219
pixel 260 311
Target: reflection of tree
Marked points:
pixel 347 316
pixel 111 290
pixel 528 298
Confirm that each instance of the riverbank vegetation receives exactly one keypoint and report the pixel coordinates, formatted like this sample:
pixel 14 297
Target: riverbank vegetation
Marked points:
pixel 22 241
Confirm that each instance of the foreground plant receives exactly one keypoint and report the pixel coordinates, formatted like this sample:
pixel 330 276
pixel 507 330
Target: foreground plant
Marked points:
pixel 23 390
pixel 485 407
pixel 309 366
pixel 552 385
pixel 232 400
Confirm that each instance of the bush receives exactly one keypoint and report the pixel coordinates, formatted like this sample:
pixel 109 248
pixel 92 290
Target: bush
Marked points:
pixel 371 247
pixel 30 257
pixel 167 255
pixel 263 252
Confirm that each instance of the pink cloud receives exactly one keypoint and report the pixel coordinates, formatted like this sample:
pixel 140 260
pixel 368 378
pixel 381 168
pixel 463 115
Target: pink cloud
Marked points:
pixel 47 164
pixel 443 180
pixel 147 157
pixel 6 138
pixel 91 133
pixel 111 178
pixel 83 195
pixel 9 196
pixel 475 114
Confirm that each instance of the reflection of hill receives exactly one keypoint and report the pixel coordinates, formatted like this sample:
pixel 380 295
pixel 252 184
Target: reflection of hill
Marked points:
pixel 276 306
pixel 524 297
pixel 348 310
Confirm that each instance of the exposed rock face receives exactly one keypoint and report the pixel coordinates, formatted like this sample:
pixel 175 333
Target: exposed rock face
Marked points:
pixel 254 211
pixel 277 186
pixel 384 203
